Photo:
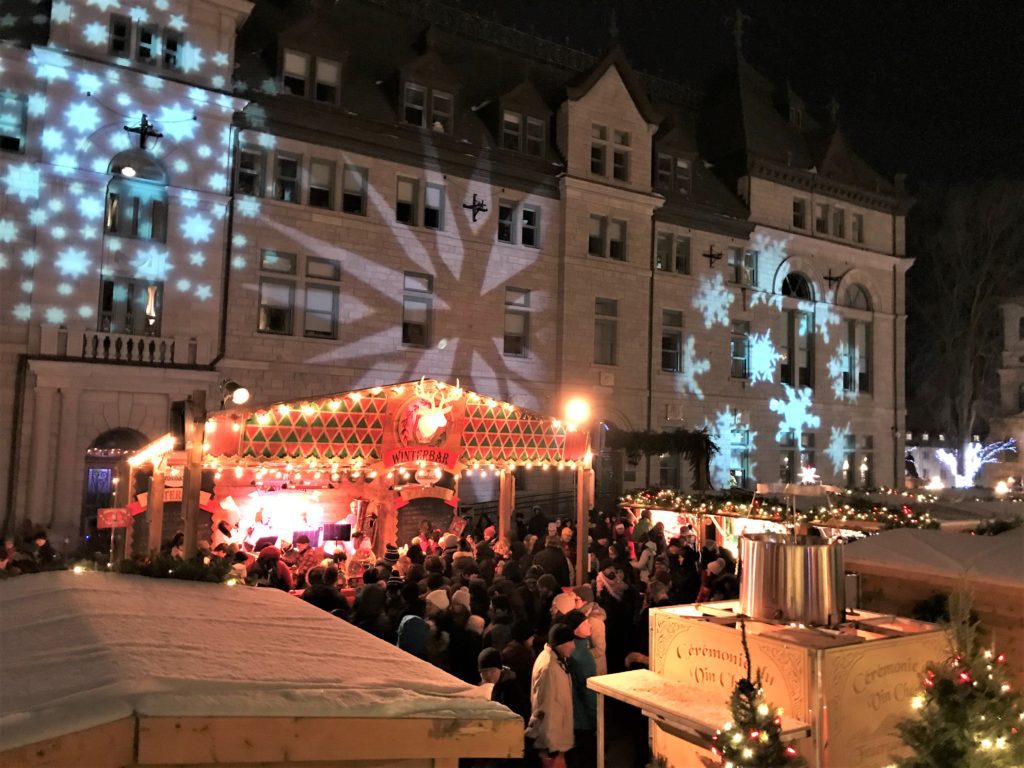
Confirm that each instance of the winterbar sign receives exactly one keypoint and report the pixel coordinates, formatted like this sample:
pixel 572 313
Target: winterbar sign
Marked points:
pixel 398 456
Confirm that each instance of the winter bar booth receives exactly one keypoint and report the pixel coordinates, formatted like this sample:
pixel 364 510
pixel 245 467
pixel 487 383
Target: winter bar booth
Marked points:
pixel 378 460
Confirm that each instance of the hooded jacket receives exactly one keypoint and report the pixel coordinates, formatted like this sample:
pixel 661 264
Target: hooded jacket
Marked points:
pixel 551 724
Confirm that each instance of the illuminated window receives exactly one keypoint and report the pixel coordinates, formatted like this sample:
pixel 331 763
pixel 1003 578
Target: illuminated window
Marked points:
pixel 797 286
pixel 838 222
pixel 295 73
pixel 12 121
pixel 286 177
pixel 535 137
pixel 789 458
pixel 441 108
pixel 620 156
pixel 668 470
pixel 320 316
pixel 353 196
pixel 598 149
pixel 506 221
pixel 277 306
pixel 130 306
pixel 857 369
pixel 321 184
pixel 799 213
pixel 328 75
pixel 821 218
pixel 849 466
pixel 517 322
pixel 742 266
pixel 405 205
pixel 683 176
pixel 739 459
pixel 671 340
pixel 433 206
pixel 278 261
pixel 529 233
pixel 617 240
pixel 739 349
pixel 866 464
pixel 672 253
pixel 857 227
pixel 148 40
pixel 511 130
pixel 120 36
pixel 172 49
pixel 136 203
pixel 606 324
pixel 807 450
pixel 798 360
pixel 250 172
pixel 414 105
pixel 417 301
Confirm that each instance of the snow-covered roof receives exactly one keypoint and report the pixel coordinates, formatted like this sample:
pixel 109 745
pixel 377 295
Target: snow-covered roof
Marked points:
pixel 80 650
pixel 992 559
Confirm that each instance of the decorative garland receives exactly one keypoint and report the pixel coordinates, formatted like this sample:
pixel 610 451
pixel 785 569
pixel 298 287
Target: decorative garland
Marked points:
pixel 696 447
pixel 773 510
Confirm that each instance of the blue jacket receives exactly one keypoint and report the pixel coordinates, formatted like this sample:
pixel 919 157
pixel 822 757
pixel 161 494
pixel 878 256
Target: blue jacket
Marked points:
pixel 584 701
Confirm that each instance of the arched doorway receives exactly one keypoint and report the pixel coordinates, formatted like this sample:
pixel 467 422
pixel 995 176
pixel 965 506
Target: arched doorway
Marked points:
pixel 101 465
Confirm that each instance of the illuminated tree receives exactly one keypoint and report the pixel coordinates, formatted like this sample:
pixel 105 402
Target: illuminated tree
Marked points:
pixel 968 715
pixel 754 735
pixel 967 242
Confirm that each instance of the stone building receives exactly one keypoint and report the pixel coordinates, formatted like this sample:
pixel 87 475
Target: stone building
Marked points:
pixel 366 193
pixel 1010 421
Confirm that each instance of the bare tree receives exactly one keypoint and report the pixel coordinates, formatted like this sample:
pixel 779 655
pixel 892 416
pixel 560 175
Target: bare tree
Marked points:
pixel 968 242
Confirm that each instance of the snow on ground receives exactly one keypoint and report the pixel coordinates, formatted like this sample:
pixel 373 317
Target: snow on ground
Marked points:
pixel 79 650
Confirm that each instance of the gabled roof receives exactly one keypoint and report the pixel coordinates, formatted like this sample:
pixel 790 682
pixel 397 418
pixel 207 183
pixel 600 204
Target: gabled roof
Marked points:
pixel 616 57
pixel 526 96
pixel 430 68
pixel 835 159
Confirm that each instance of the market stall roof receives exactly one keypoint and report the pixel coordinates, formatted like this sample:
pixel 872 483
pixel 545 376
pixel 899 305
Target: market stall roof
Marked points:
pixel 82 651
pixel 989 559
pixel 372 427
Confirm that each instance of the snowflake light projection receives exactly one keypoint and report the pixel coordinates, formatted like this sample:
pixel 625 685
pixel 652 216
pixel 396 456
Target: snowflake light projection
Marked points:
pixel 823 311
pixel 728 431
pixel 772 260
pixel 713 299
pixel 795 411
pixel 836 368
pixel 764 357
pixel 836 449
pixel 976 457
pixel 693 367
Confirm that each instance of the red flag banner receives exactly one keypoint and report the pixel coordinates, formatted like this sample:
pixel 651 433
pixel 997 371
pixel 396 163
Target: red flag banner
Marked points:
pixel 112 517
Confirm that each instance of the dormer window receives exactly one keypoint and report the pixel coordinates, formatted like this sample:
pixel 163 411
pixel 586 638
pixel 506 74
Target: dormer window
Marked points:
pixel 304 75
pixel 521 133
pixel 146 52
pixel 427 108
pixel 673 174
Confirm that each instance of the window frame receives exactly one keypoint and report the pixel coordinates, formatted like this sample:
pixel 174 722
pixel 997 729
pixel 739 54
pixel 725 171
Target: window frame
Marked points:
pixel 259 173
pixel 672 331
pixel 347 193
pixel 412 202
pixel 154 55
pixel 335 293
pixel 510 223
pixel 610 322
pixel 838 222
pixel 331 167
pixel 598 150
pixel 622 243
pixel 822 218
pixel 108 314
pixel 420 296
pixel 280 181
pixel 621 151
pixel 261 305
pixel 447 124
pixel 739 349
pixel 800 213
pixel 538 141
pixel 429 211
pixel 742 263
pixel 170 54
pixel 118 18
pixel 286 75
pixel 602 237
pixel 517 304
pixel 317 82
pixel 20 106
pixel 525 209
pixel 506 132
pixel 857 227
pixel 407 87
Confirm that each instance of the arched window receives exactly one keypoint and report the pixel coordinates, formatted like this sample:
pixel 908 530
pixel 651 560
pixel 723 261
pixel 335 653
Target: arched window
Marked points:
pixel 856 297
pixel 137 197
pixel 797 286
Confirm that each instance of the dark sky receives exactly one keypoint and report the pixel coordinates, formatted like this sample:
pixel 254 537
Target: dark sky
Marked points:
pixel 932 88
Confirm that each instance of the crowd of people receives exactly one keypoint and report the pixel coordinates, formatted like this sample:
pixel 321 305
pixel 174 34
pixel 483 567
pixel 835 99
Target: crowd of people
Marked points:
pixel 506 615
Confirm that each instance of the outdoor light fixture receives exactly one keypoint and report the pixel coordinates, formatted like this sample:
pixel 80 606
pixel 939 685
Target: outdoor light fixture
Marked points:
pixel 233 391
pixel 577 411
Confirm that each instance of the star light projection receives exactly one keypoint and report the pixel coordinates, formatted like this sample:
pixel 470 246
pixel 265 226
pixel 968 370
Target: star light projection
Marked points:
pixel 63 198
pixel 731 434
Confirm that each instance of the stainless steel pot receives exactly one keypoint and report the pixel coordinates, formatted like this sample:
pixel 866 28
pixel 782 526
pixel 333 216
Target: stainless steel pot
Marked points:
pixel 792 579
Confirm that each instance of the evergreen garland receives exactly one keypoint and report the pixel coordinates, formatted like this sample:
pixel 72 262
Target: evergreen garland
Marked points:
pixel 968 714
pixel 695 446
pixel 163 566
pixel 754 736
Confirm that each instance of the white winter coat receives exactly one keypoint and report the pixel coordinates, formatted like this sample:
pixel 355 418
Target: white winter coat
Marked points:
pixel 551 696
pixel 598 645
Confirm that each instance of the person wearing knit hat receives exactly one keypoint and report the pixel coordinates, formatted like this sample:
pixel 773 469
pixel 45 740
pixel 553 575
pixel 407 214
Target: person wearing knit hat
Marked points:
pixel 595 617
pixel 461 597
pixel 476 624
pixel 582 666
pixel 564 602
pixel 504 687
pixel 391 555
pixel 395 581
pixel 438 601
pixel 551 725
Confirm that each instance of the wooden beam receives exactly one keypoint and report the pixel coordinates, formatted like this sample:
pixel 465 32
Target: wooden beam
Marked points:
pixel 195 434
pixel 506 503
pixel 110 745
pixel 155 509
pixel 582 525
pixel 252 740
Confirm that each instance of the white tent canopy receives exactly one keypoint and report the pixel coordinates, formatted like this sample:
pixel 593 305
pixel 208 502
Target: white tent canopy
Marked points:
pixel 992 559
pixel 81 651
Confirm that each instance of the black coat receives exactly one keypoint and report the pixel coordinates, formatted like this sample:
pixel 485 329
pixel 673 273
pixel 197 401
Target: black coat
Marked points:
pixel 553 561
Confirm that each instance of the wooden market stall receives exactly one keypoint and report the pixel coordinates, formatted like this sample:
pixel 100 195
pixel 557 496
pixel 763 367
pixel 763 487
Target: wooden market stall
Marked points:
pixel 113 671
pixel 357 458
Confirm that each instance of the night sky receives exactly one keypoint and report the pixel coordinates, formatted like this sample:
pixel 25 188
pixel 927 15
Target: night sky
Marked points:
pixel 932 88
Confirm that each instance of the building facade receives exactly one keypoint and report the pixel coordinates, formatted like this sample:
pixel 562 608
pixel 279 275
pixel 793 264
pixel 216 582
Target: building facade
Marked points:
pixel 1010 421
pixel 358 194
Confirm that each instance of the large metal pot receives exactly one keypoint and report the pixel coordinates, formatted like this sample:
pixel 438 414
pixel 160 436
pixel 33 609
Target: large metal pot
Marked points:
pixel 792 579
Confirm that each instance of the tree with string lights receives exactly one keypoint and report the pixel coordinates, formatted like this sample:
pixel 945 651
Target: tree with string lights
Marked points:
pixel 754 735
pixel 968 714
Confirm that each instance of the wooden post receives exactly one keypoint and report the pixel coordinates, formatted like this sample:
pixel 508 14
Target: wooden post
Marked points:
pixel 195 434
pixel 155 508
pixel 129 529
pixel 506 503
pixel 582 525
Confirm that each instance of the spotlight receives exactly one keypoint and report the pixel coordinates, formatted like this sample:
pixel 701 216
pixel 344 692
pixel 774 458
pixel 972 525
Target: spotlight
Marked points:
pixel 233 391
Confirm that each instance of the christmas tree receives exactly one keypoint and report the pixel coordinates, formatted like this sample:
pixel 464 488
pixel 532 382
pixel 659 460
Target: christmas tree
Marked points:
pixel 754 735
pixel 968 714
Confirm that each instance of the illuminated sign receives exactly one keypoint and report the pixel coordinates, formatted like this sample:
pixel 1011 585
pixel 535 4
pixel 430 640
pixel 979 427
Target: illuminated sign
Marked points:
pixel 416 454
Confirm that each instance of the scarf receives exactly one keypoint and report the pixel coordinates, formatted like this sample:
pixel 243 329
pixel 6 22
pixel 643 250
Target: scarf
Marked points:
pixel 616 588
